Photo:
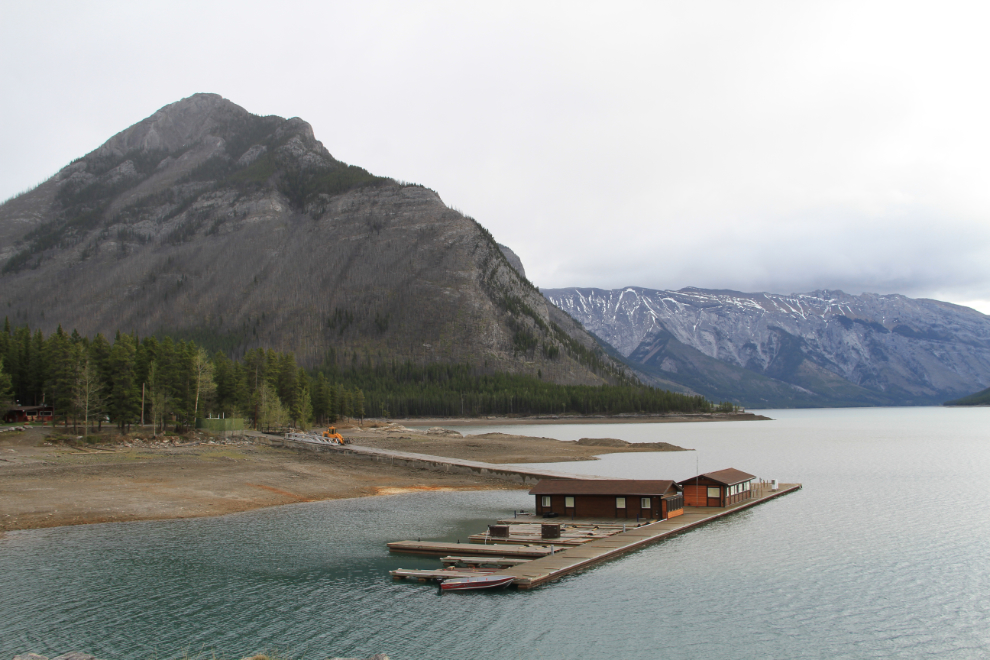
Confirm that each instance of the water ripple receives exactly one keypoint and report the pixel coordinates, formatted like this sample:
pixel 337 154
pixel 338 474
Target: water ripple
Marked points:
pixel 882 554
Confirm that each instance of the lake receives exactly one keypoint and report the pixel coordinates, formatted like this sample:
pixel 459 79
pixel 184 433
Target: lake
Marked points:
pixel 885 552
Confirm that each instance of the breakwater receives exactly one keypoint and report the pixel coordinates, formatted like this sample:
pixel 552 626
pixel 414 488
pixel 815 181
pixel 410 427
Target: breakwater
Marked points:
pixel 515 474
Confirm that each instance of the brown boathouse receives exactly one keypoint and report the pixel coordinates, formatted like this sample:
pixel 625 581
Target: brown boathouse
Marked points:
pixel 608 498
pixel 720 488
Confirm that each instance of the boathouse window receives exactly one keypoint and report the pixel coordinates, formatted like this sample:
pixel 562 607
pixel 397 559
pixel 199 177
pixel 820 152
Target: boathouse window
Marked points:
pixel 546 500
pixel 568 502
pixel 620 503
pixel 644 503
pixel 714 492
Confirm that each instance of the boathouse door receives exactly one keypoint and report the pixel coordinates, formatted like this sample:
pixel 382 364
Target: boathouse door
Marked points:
pixel 714 496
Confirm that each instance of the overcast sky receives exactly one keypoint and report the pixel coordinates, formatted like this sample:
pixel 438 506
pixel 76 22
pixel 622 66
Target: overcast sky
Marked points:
pixel 754 146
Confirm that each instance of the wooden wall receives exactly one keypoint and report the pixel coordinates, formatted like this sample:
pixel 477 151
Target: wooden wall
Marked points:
pixel 696 494
pixel 599 506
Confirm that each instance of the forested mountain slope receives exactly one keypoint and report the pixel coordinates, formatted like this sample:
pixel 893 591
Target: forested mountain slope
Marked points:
pixel 207 222
pixel 981 398
pixel 819 348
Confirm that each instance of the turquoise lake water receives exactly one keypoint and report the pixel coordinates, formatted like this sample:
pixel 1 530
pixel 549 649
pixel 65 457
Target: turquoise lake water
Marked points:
pixel 884 553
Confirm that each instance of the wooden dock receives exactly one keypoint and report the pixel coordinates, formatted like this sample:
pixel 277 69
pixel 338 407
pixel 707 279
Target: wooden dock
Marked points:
pixel 481 562
pixel 442 549
pixel 570 560
pixel 528 531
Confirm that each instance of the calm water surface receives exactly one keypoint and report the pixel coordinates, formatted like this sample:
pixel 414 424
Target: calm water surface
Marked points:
pixel 884 553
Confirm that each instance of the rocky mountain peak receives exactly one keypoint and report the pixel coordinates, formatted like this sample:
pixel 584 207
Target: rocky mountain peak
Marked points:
pixel 175 126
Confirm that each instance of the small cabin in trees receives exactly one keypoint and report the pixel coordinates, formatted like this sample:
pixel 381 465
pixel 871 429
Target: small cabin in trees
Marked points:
pixel 608 498
pixel 720 488
pixel 29 414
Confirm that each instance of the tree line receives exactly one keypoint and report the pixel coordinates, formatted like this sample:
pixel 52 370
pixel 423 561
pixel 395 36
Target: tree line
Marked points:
pixel 394 389
pixel 165 382
pixel 161 382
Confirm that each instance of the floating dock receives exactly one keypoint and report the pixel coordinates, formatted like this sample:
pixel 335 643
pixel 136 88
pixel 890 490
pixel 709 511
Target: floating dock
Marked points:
pixel 442 549
pixel 497 562
pixel 527 530
pixel 583 544
pixel 540 571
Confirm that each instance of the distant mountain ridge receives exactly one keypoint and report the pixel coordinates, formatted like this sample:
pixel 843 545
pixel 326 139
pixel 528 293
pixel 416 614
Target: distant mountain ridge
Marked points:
pixel 207 222
pixel 820 348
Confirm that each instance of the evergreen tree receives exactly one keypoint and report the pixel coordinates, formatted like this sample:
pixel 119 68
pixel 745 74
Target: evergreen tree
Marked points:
pixel 36 369
pixel 358 404
pixel 13 364
pixel 6 388
pixel 5 339
pixel 301 407
pixel 320 399
pixel 60 358
pixel 125 393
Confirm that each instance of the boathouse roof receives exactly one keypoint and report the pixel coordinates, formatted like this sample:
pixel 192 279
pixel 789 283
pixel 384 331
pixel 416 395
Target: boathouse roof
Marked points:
pixel 601 487
pixel 727 477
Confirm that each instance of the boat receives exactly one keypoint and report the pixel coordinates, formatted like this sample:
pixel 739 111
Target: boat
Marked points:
pixel 476 582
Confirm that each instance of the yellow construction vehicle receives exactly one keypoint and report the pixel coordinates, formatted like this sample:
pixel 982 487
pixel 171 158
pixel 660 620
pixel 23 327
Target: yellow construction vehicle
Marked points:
pixel 331 435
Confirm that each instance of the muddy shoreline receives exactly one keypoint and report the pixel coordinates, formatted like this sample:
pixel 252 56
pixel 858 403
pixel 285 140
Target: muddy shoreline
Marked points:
pixel 50 485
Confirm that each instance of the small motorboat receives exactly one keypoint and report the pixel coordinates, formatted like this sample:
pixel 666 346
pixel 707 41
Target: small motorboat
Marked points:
pixel 476 582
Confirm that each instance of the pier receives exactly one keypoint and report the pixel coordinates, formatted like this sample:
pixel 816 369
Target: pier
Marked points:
pixel 610 540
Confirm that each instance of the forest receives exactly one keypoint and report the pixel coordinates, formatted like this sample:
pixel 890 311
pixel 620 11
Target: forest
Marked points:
pixel 165 382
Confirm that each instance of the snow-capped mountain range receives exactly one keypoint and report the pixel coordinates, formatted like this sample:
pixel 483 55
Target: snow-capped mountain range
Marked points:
pixel 819 348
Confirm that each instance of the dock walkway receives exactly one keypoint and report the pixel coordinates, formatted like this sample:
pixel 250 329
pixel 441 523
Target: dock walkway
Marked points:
pixel 539 571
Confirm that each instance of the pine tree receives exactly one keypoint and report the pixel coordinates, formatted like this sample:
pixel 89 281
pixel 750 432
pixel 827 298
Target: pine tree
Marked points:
pixel 125 395
pixel 302 407
pixel 35 369
pixel 60 358
pixel 6 387
pixel 358 404
pixel 320 396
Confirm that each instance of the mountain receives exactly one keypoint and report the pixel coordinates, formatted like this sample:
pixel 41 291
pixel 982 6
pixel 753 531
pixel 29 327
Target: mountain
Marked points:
pixel 207 222
pixel 813 349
